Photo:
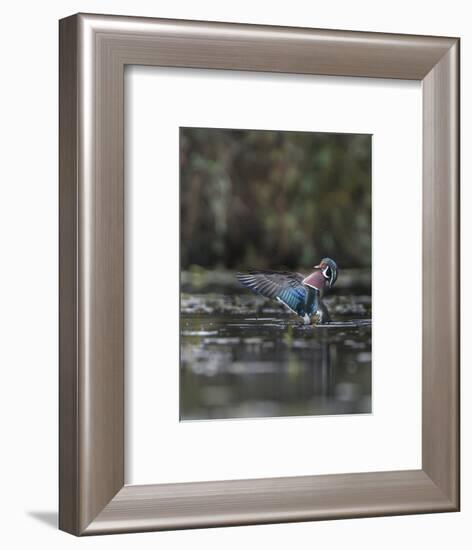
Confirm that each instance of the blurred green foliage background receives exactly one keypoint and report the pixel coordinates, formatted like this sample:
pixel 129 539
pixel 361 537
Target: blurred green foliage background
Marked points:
pixel 274 199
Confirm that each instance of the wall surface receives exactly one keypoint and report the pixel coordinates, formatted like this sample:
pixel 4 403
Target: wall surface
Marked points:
pixel 28 274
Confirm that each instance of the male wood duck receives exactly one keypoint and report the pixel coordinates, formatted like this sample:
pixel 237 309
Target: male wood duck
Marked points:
pixel 302 295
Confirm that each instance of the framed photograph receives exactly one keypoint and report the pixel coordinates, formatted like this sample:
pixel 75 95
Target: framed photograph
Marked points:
pixel 274 199
pixel 259 274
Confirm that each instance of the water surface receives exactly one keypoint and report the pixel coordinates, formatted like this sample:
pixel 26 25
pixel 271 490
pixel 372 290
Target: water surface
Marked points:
pixel 243 356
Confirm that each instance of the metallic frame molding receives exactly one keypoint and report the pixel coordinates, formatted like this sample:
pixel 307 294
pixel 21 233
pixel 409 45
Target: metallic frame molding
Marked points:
pixel 94 50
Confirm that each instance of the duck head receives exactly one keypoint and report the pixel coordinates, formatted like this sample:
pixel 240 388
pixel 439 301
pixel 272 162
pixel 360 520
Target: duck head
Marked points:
pixel 329 269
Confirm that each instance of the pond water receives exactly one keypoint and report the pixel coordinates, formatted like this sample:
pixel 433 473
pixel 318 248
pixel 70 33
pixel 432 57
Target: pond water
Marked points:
pixel 243 356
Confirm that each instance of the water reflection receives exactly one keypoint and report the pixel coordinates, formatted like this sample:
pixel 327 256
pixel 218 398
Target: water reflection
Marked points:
pixel 242 356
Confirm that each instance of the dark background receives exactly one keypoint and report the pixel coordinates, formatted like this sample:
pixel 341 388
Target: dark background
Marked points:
pixel 271 199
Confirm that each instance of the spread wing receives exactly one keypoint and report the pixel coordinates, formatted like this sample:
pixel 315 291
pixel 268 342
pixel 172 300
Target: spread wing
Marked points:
pixel 283 286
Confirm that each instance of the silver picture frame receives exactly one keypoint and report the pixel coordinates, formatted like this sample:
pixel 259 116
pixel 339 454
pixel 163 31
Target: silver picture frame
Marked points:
pixel 94 50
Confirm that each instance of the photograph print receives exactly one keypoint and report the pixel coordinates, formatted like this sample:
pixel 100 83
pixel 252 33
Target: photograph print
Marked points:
pixel 275 273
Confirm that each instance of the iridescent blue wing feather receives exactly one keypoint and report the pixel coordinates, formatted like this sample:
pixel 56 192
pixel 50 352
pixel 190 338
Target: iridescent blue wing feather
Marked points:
pixel 282 286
